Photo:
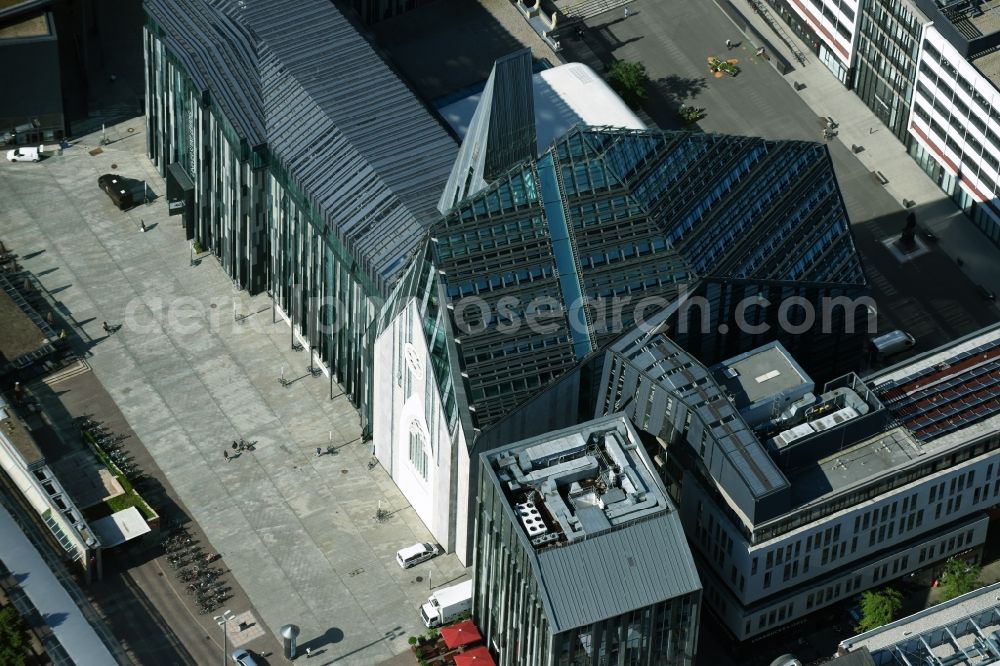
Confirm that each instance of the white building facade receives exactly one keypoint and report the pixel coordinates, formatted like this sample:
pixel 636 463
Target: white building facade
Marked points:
pixel 795 514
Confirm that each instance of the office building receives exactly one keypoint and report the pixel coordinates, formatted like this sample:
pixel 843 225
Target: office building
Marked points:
pixel 795 497
pixel 929 70
pixel 580 557
pixel 32 478
pixel 964 631
pixel 556 247
pixel 295 155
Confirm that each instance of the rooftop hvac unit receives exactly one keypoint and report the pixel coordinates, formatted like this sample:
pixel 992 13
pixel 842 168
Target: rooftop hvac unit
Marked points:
pixel 531 518
pixel 543 539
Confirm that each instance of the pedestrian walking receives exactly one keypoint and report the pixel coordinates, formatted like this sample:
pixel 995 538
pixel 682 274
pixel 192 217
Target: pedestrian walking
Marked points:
pixel 760 51
pixel 729 44
pixel 626 12
pixel 225 454
pixel 319 452
pixel 107 329
pixel 143 225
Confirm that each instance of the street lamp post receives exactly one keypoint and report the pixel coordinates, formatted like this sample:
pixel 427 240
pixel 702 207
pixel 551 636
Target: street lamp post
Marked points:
pixel 221 620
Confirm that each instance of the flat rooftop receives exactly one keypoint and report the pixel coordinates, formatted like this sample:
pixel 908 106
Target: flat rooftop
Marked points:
pixel 577 484
pixel 18 335
pixel 947 390
pixel 930 632
pixel 568 95
pixel 856 463
pixel 15 432
pixel 591 489
pixel 952 386
pixel 760 373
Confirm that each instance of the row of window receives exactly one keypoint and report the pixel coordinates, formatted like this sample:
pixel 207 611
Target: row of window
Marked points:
pixel 946 546
pixel 878 533
pixel 834 591
pixel 879 486
pixel 848 11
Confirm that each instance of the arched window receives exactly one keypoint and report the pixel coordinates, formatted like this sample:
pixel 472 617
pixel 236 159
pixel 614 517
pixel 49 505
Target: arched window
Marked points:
pixel 418 454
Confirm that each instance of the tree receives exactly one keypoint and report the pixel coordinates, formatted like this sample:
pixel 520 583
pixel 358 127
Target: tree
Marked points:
pixel 958 578
pixel 13 638
pixel 629 80
pixel 878 608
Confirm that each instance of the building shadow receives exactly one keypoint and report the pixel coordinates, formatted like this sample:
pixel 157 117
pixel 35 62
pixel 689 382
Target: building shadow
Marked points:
pixel 444 46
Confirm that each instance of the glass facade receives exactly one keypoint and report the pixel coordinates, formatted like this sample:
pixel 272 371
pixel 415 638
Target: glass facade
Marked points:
pixel 266 232
pixel 508 609
pixel 564 253
pixel 886 64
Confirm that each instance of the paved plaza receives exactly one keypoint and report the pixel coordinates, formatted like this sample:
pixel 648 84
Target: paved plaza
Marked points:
pixel 297 531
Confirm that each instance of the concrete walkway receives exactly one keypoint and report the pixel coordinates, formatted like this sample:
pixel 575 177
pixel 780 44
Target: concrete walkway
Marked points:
pixel 298 531
pixel 858 125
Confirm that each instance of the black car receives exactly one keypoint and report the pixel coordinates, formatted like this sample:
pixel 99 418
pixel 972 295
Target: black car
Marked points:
pixel 116 188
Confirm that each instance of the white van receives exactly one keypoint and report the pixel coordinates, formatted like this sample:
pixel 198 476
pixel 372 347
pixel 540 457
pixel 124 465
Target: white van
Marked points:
pixel 893 342
pixel 415 554
pixel 25 154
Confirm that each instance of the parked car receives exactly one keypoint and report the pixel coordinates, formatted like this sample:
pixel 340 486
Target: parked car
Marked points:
pixel 417 553
pixel 893 342
pixel 116 188
pixel 986 293
pixel 243 658
pixel 25 154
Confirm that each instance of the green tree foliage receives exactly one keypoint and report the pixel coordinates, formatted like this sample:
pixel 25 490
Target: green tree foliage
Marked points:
pixel 958 578
pixel 13 638
pixel 629 80
pixel 878 608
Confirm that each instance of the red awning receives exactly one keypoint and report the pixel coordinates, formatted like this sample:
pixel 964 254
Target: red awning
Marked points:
pixel 463 633
pixel 479 656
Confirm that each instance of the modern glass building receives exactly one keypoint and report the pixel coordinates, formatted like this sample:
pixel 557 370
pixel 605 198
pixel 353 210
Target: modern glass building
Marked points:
pixel 563 253
pixel 886 63
pixel 546 254
pixel 580 556
pixel 312 168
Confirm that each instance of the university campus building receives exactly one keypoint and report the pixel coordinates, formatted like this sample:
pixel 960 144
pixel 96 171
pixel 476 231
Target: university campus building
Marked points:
pixel 580 556
pixel 795 497
pixel 581 235
pixel 298 158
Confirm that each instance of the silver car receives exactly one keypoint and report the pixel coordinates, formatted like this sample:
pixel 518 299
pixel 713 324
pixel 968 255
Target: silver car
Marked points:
pixel 243 658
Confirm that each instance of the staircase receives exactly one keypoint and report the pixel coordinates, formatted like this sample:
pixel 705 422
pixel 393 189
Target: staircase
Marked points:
pixel 586 9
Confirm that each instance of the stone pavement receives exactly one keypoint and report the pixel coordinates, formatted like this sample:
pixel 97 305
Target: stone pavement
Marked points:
pixel 298 532
pixel 882 152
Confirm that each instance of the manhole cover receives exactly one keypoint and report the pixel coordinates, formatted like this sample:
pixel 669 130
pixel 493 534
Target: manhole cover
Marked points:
pixel 114 166
pixel 131 129
pixel 343 471
pixel 213 305
pixel 419 579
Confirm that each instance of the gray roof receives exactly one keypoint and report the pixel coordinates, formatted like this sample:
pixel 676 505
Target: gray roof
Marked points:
pixel 655 358
pixel 616 572
pixel 296 75
pixel 609 570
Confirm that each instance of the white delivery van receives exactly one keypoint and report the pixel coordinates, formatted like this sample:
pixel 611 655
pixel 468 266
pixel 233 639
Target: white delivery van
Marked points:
pixel 447 604
pixel 25 154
